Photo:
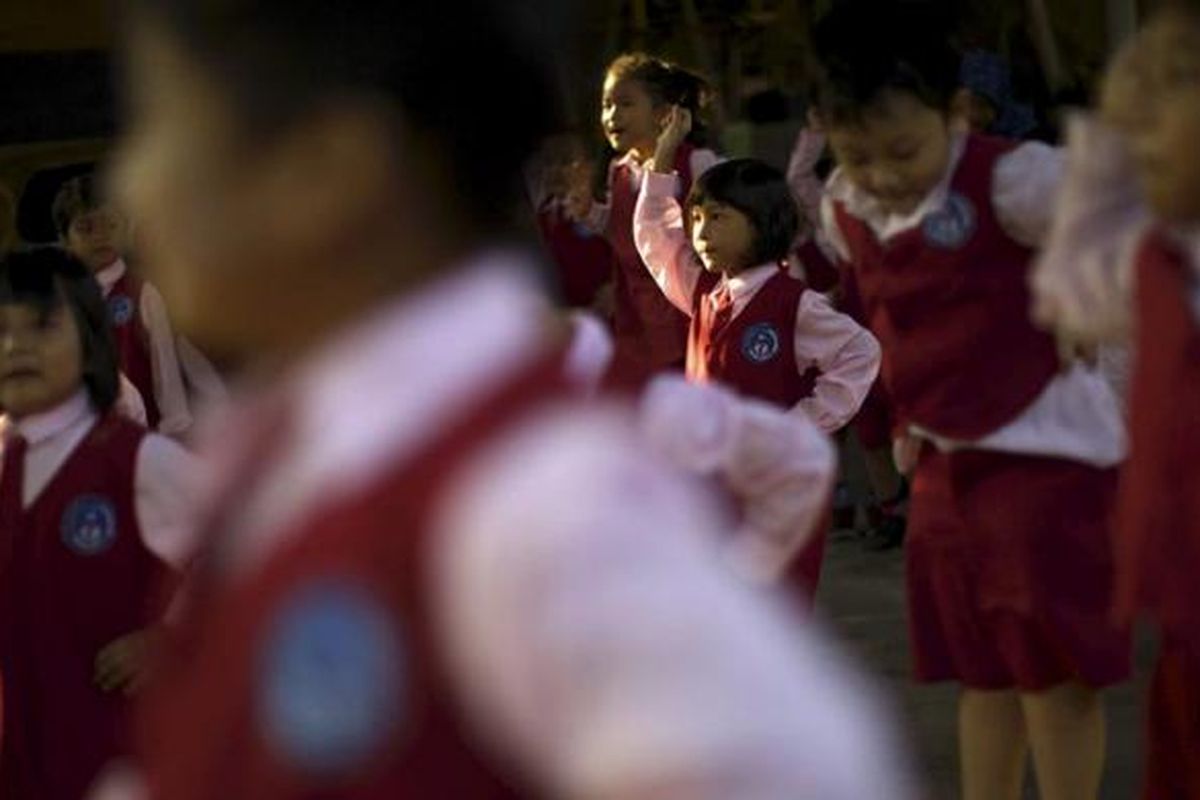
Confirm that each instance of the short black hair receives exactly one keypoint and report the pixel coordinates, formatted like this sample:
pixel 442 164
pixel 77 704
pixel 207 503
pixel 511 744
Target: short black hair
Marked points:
pixel 48 278
pixel 472 81
pixel 759 191
pixel 77 197
pixel 869 48
pixel 668 84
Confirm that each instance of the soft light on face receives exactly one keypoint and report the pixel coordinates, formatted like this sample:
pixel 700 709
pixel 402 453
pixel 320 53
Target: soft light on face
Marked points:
pixel 41 359
pixel 1165 150
pixel 723 237
pixel 897 152
pixel 97 238
pixel 630 118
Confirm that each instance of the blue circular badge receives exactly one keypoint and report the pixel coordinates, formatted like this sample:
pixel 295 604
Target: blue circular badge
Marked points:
pixel 331 678
pixel 120 309
pixel 89 525
pixel 951 226
pixel 760 343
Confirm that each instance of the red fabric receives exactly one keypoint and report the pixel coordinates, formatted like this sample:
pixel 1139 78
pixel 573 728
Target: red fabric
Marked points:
pixel 820 274
pixel 951 317
pixel 721 351
pixel 208 729
pixel 583 259
pixel 1010 572
pixel 1159 545
pixel 650 334
pixel 60 606
pixel 1173 725
pixel 133 341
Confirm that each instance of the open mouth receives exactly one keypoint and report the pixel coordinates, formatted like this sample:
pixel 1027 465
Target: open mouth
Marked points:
pixel 20 374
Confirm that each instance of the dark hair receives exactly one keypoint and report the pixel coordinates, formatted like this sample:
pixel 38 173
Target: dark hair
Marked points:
pixel 48 278
pixel 759 191
pixel 472 82
pixel 869 48
pixel 667 84
pixel 77 197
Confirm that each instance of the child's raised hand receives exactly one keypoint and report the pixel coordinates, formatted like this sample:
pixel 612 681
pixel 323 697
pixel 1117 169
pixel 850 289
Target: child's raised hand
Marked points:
pixel 121 665
pixel 906 450
pixel 676 128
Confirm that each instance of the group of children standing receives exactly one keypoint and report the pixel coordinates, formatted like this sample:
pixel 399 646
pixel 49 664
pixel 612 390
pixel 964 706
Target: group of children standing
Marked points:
pixel 433 551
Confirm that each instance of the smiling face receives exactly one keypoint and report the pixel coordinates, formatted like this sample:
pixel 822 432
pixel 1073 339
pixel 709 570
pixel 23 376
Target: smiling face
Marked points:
pixel 722 236
pixel 631 119
pixel 41 358
pixel 897 152
pixel 96 238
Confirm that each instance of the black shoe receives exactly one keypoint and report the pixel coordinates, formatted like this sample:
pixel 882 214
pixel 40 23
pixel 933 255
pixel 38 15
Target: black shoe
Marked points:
pixel 887 535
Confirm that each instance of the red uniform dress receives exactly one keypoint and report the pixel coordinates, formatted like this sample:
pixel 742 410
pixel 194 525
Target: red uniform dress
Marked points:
pixel 1009 561
pixel 124 307
pixel 75 577
pixel 583 258
pixel 321 677
pixel 1159 543
pixel 650 333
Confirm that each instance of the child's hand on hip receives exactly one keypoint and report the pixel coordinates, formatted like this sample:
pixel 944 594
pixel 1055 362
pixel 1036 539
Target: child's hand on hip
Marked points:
pixel 121 665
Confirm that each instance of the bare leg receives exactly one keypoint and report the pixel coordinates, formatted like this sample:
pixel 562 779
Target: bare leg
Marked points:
pixel 1067 733
pixel 991 739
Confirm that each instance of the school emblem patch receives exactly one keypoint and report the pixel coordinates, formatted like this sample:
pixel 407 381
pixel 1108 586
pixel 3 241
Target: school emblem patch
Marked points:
pixel 331 678
pixel 120 309
pixel 760 343
pixel 89 525
pixel 951 226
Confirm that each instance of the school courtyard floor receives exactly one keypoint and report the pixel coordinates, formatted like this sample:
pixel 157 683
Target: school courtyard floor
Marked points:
pixel 862 597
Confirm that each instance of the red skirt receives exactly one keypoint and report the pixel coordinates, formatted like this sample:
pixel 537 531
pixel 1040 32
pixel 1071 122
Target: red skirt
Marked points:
pixel 1010 573
pixel 1173 725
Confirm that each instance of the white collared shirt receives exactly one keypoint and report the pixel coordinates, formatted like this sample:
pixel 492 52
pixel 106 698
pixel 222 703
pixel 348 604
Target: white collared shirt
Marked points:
pixel 1077 416
pixel 163 475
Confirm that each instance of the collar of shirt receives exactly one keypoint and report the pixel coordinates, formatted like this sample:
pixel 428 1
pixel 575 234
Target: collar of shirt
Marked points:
pixel 109 276
pixel 885 224
pixel 39 428
pixel 746 283
pixel 391 382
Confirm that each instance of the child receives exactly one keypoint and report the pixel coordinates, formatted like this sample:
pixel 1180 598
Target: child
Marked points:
pixel 427 572
pixel 94 232
pixel 1108 257
pixel 92 512
pixel 1009 570
pixel 639 92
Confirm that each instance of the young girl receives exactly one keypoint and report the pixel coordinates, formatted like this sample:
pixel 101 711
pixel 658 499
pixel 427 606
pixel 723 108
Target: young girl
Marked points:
pixel 427 568
pixel 753 327
pixel 94 232
pixel 1125 241
pixel 639 92
pixel 1010 573
pixel 92 511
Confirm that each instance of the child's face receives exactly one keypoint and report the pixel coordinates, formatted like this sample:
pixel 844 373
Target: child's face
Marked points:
pixel 630 117
pixel 97 238
pixel 722 236
pixel 897 152
pixel 41 359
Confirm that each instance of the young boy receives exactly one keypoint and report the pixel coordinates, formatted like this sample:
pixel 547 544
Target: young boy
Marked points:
pixel 428 569
pixel 1123 263
pixel 1009 574
pixel 95 233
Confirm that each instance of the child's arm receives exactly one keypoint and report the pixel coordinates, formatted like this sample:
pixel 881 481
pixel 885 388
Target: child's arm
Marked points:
pixel 806 187
pixel 662 241
pixel 846 356
pixel 1082 281
pixel 169 390
pixel 779 465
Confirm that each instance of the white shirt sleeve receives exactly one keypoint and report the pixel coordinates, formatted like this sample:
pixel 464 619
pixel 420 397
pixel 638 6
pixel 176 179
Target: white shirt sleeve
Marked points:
pixel 169 390
pixel 590 351
pixel 662 240
pixel 702 161
pixel 846 354
pixel 831 231
pixel 204 383
pixel 164 496
pixel 1083 279
pixel 599 639
pixel 778 465
pixel 129 401
pixel 1024 186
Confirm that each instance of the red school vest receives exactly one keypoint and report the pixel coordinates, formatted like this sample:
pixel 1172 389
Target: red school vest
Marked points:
pixel 133 348
pixel 582 259
pixel 648 329
pixel 78 578
pixel 1159 507
pixel 320 674
pixel 949 304
pixel 755 352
